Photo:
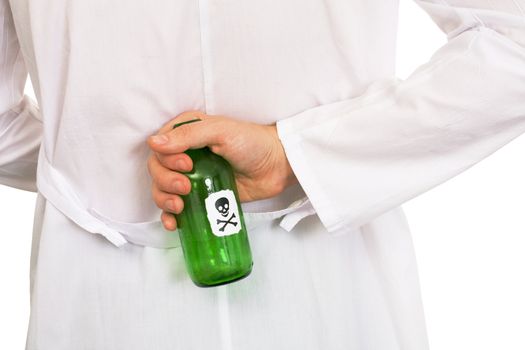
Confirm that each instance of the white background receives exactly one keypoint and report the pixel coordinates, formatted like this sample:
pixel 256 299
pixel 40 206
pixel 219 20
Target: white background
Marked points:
pixel 468 234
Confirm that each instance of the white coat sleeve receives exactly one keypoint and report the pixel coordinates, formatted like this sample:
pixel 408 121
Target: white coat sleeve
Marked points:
pixel 20 122
pixel 361 157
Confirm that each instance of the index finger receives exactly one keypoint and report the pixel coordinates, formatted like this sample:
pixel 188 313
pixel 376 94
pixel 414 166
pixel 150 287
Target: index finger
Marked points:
pixel 183 117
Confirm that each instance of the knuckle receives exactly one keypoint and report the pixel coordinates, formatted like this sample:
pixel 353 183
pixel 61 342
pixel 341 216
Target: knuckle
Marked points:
pixel 178 185
pixel 155 168
pixel 178 163
pixel 165 182
pixel 150 163
pixel 220 138
pixel 173 204
pixel 163 160
pixel 179 204
pixel 157 196
pixel 157 175
pixel 170 162
pixel 183 130
pixel 158 202
pixel 215 149
pixel 174 183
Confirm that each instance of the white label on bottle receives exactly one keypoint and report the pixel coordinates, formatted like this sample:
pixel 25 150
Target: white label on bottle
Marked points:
pixel 223 213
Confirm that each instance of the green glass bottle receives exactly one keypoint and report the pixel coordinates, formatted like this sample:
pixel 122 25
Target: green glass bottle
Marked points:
pixel 211 226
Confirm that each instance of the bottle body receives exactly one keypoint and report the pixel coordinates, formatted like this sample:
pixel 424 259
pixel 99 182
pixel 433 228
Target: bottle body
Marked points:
pixel 211 226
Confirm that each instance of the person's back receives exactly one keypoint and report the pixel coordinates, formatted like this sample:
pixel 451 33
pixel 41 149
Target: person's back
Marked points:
pixel 108 74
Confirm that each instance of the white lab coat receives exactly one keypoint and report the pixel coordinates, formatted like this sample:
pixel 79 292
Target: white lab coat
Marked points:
pixel 333 260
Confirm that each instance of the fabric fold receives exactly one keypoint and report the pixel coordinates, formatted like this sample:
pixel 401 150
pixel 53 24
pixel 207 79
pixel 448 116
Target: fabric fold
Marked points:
pixel 58 190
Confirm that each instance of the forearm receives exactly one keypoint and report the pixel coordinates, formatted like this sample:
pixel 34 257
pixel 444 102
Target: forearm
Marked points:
pixel 20 122
pixel 358 158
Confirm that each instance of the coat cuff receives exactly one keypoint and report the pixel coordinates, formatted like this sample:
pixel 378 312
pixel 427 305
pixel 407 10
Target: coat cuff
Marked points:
pixel 21 130
pixel 302 165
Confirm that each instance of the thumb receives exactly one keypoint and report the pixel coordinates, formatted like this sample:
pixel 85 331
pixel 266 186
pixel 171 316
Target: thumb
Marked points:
pixel 182 117
pixel 154 139
pixel 188 135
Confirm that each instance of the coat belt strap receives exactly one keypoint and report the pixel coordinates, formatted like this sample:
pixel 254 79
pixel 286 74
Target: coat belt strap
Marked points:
pixel 57 189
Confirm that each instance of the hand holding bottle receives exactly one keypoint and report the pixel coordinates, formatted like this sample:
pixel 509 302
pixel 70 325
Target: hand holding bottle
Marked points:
pixel 254 151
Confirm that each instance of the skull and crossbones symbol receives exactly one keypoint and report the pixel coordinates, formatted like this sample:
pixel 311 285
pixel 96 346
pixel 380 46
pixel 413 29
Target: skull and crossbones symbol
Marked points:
pixel 223 207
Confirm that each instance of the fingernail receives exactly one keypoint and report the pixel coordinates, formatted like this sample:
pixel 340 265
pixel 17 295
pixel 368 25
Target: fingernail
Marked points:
pixel 159 139
pixel 179 186
pixel 180 164
pixel 170 204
